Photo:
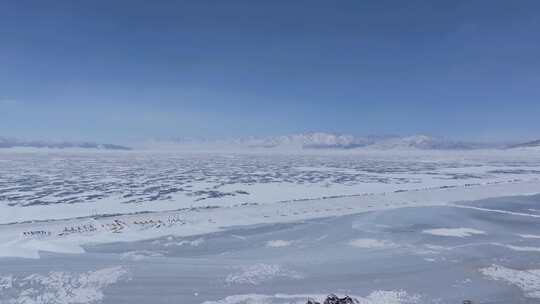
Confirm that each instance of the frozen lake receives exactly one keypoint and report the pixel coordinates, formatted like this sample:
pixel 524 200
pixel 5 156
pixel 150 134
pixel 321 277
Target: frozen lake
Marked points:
pixel 436 254
pixel 382 229
pixel 59 185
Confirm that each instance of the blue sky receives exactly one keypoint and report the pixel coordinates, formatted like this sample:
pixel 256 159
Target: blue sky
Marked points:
pixel 128 70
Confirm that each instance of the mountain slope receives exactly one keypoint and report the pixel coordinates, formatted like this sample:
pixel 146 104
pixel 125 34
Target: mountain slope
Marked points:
pixel 424 142
pixel 16 143
pixel 530 144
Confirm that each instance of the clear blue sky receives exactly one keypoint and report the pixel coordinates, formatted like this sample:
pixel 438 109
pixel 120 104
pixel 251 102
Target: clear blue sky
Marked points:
pixel 127 70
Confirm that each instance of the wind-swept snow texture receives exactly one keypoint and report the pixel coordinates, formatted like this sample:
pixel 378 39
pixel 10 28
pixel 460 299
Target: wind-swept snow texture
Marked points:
pixel 44 186
pixel 528 280
pixel 456 232
pixel 59 287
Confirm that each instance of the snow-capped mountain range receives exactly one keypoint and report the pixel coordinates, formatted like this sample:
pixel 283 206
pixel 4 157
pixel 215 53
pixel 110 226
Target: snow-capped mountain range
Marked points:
pixel 6 142
pixel 320 140
pixel 294 142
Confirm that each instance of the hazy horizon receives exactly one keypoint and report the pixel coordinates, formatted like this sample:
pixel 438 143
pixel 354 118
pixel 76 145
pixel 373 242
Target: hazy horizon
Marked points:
pixel 142 142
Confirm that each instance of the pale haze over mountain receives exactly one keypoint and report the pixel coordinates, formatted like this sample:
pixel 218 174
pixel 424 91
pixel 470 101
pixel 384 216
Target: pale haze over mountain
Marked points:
pixel 291 142
pixel 321 140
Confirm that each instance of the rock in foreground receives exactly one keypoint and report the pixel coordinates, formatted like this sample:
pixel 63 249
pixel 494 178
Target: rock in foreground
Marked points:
pixel 333 299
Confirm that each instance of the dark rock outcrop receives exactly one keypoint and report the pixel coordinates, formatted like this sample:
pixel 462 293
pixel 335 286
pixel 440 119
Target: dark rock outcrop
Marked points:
pixel 333 299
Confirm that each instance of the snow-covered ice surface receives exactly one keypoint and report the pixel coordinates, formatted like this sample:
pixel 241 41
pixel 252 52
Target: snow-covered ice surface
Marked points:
pixel 236 265
pixel 530 236
pixel 528 280
pixel 59 287
pixel 259 273
pixel 371 243
pixel 44 186
pixel 456 232
pixel 150 228
pixel 278 243
pixel 376 297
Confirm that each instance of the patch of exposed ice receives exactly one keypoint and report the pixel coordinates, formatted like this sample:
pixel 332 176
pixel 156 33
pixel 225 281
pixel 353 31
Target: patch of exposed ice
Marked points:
pixel 31 248
pixel 376 297
pixel 259 273
pixel 372 244
pixel 59 287
pixel 526 280
pixel 278 243
pixel 194 243
pixel 454 232
pixel 434 249
pixel 390 297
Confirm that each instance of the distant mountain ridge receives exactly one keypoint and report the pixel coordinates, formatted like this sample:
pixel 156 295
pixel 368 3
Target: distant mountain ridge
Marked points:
pixel 425 142
pixel 529 144
pixel 312 141
pixel 293 142
pixel 321 140
pixel 20 143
